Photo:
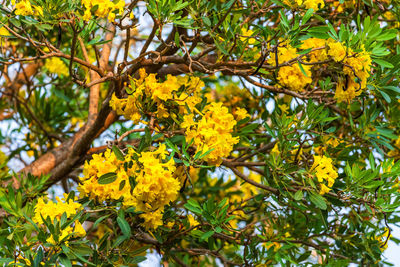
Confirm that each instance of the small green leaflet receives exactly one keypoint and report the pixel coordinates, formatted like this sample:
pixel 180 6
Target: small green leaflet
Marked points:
pixel 107 178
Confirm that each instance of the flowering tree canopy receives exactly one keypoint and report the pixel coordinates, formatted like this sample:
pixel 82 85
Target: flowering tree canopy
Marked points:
pixel 206 132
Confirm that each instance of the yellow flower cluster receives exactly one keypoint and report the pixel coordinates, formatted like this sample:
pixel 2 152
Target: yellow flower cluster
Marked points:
pixel 147 91
pixel 103 8
pixel 337 51
pixel 57 66
pixel 24 8
pixel 357 67
pixel 325 171
pixel 21 261
pixel 314 4
pixel 327 141
pixel 76 231
pixel 102 164
pixel 317 55
pixel 213 130
pixel 192 220
pixel 347 4
pixel 291 76
pixel 55 211
pixel 240 114
pixel 383 240
pixel 246 36
pixel 3 40
pixel 155 184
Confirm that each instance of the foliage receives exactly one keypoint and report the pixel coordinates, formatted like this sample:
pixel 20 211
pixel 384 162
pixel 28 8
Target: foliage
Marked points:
pixel 249 133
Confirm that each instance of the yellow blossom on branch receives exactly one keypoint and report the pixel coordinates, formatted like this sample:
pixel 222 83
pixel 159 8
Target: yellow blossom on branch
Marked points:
pixel 324 171
pixel 55 209
pixel 155 183
pixel 103 8
pixel 291 76
pixel 57 66
pixel 212 131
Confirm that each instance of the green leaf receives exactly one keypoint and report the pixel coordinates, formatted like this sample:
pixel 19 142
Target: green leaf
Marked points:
pixel 304 256
pixel 171 145
pixel 249 128
pixel 124 226
pixel 391 87
pixel 302 69
pixel 99 220
pixel 38 258
pixel 80 257
pixel 64 260
pixel 318 201
pixel 385 96
pixel 94 40
pixel 196 210
pixel 194 203
pixel 140 250
pixel 320 35
pixel 307 16
pixel 180 5
pixel 107 178
pixel 206 21
pixel 298 195
pixel 383 63
pixel 206 153
pixel 206 235
pixel 120 240
pixel 176 39
pixel 388 35
pixel 137 259
pixel 122 185
pixel 118 153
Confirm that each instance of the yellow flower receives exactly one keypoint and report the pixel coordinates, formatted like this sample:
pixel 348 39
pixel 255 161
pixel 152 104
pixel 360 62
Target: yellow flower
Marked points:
pixel 291 76
pixel 57 66
pixel 314 4
pixel 212 131
pixel 152 219
pixel 192 220
pixel 55 210
pixel 24 8
pixel 275 151
pixel 284 108
pixel 4 32
pixel 105 8
pixel 38 10
pixel 324 171
pixel 383 240
pixel 337 51
pixel 317 55
pixel 324 189
pixel 155 183
pixel 147 92
pixel 79 230
pixel 395 152
pixel 241 113
pixel 357 70
pixel 64 233
pixel 246 35
pixel 21 261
